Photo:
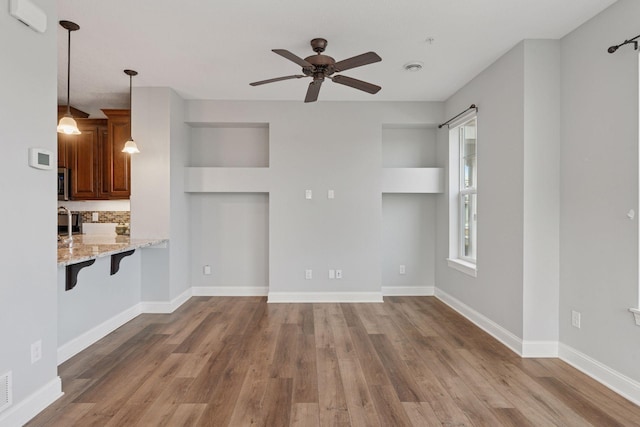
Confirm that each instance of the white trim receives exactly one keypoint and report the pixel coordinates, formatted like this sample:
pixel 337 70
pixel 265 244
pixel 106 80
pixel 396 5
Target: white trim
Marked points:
pixel 163 307
pixel 324 297
pixel 230 291
pixel 28 408
pixel 76 345
pixel 636 315
pixel 619 383
pixel 409 291
pixel 465 117
pixel 489 326
pixel 462 266
pixel 539 349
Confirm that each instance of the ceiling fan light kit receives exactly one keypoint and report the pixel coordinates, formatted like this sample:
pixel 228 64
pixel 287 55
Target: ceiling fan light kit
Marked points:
pixel 320 66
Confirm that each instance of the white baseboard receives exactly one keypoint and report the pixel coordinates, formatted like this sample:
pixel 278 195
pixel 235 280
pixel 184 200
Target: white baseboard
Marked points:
pixel 323 297
pixel 408 291
pixel 165 307
pixel 20 413
pixel 230 291
pixel 619 383
pixel 489 326
pixel 76 345
pixel 539 349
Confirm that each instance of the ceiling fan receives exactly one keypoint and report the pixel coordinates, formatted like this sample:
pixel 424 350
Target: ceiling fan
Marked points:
pixel 321 66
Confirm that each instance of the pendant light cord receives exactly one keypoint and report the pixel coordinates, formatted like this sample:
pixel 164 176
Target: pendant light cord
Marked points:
pixel 130 106
pixel 68 70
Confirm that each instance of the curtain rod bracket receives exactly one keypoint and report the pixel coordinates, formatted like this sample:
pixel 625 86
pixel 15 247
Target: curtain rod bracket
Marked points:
pixel 472 107
pixel 612 49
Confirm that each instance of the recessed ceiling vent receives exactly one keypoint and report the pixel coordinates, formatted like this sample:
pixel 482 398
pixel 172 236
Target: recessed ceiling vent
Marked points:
pixel 5 391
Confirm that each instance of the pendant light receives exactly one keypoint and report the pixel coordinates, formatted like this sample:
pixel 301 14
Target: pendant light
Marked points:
pixel 67 124
pixel 130 146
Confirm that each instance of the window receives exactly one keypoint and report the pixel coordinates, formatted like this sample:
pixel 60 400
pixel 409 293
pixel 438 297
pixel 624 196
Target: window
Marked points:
pixel 463 181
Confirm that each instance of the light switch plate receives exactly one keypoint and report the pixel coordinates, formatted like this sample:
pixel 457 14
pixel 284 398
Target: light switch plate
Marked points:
pixel 308 194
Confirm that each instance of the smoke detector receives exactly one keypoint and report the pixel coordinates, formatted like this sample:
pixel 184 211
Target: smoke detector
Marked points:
pixel 413 66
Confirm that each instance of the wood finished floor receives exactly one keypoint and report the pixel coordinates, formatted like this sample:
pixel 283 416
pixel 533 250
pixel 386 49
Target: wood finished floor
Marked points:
pixel 412 361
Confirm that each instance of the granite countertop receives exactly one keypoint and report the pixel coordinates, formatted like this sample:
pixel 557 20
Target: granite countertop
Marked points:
pixel 85 247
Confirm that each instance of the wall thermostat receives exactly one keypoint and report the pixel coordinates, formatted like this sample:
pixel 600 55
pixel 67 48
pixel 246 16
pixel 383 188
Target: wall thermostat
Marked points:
pixel 40 158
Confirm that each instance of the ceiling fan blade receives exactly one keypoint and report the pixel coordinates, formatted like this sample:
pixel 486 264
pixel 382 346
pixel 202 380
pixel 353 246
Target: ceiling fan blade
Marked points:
pixel 312 92
pixel 357 61
pixel 292 57
pixel 356 84
pixel 277 79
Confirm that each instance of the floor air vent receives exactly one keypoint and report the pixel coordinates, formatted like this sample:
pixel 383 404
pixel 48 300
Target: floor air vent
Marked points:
pixel 5 391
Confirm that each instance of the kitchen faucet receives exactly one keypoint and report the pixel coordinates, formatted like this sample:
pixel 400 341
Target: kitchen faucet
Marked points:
pixel 69 238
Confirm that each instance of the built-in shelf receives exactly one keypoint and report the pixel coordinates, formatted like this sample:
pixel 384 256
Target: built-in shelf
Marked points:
pixel 412 180
pixel 226 180
pixel 241 145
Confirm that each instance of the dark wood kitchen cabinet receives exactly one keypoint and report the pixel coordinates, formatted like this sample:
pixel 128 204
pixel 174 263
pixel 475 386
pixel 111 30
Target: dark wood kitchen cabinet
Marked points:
pixel 99 169
pixel 116 171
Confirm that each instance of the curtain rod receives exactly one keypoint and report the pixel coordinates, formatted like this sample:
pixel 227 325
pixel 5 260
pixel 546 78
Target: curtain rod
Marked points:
pixel 472 107
pixel 612 49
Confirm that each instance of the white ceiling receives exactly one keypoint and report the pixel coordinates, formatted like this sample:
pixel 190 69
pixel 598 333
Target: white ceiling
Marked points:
pixel 213 49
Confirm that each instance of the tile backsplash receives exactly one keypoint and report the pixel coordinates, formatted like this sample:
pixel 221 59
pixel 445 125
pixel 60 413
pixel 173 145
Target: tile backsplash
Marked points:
pixel 107 217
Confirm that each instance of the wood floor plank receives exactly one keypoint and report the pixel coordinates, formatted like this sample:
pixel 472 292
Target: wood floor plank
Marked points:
pixel 331 396
pixel 186 415
pixel 340 332
pixel 389 409
pixel 422 415
pixel 204 384
pixel 238 361
pixel 359 402
pixel 305 415
pixel 277 401
pixel 305 375
pixel 283 365
pixel 397 371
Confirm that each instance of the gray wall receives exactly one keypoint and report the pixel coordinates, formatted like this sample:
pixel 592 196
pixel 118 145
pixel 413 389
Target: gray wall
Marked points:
pixel 28 262
pixel 318 147
pixel 230 232
pixel 159 206
pixel 97 297
pixel 496 292
pixel 599 176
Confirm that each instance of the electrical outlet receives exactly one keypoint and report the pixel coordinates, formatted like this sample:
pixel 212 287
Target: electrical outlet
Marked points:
pixel 575 319
pixel 308 274
pixel 36 351
pixel 402 269
pixel 206 270
pixel 95 217
pixel 332 274
pixel 338 274
pixel 308 194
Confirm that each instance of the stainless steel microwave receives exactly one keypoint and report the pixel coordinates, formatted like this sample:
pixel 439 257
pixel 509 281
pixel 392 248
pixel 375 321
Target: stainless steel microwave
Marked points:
pixel 64 182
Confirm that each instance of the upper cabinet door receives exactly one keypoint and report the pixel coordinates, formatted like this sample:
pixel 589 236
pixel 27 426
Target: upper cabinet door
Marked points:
pixel 83 159
pixel 116 172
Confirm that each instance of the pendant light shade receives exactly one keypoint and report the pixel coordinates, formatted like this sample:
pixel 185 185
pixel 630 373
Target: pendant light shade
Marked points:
pixel 67 124
pixel 130 146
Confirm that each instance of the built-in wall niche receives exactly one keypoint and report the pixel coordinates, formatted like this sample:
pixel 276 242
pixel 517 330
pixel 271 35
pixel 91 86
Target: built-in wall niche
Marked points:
pixel 244 145
pixel 408 244
pixel 408 146
pixel 230 234
pixel 228 158
pixel 409 162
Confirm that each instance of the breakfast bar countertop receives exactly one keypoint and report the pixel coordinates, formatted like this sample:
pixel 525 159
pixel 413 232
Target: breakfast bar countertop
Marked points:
pixel 85 247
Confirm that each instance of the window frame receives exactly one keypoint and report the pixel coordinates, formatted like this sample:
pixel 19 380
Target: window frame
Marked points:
pixel 458 259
